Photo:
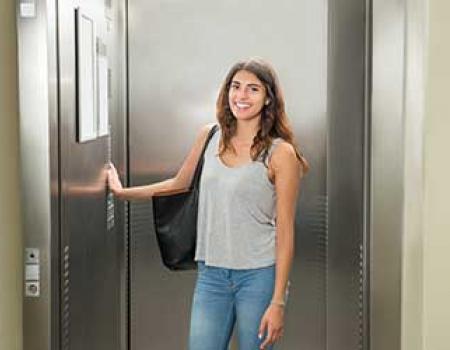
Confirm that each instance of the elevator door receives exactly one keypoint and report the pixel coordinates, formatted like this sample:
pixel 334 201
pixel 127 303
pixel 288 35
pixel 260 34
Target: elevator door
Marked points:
pixel 179 52
pixel 91 294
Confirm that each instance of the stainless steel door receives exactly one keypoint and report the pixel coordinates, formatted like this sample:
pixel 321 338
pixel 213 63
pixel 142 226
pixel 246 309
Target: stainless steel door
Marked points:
pixel 76 272
pixel 179 52
pixel 92 253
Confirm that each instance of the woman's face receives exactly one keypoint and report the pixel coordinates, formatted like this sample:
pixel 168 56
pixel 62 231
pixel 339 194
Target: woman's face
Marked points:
pixel 246 96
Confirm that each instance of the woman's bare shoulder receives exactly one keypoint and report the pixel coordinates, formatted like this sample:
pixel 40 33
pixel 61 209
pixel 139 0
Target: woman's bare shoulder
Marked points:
pixel 283 151
pixel 284 156
pixel 202 134
pixel 205 129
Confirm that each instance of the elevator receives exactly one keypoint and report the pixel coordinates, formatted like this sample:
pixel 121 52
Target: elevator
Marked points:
pixel 132 82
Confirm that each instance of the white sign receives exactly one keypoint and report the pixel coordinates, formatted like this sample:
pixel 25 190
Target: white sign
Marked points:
pixel 87 63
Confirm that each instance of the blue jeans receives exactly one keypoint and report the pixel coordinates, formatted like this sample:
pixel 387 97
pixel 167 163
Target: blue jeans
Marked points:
pixel 223 297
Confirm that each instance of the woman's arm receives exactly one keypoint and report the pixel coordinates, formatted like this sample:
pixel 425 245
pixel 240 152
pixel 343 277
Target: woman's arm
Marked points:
pixel 180 182
pixel 287 173
pixel 287 170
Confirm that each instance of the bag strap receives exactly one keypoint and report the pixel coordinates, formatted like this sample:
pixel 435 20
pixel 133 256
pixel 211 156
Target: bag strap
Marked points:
pixel 198 170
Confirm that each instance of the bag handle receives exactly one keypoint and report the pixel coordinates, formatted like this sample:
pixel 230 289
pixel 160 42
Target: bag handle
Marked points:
pixel 198 170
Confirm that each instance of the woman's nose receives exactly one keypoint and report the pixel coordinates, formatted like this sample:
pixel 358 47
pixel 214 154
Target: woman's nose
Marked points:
pixel 242 93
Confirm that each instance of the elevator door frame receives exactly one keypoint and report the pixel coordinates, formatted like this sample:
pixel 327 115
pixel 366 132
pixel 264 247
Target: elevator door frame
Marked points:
pixel 40 193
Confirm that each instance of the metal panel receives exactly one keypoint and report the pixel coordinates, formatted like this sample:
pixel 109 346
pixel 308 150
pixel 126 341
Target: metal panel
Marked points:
pixel 347 267
pixel 179 53
pixel 116 13
pixel 39 166
pixel 93 283
pixel 83 276
pixel 387 182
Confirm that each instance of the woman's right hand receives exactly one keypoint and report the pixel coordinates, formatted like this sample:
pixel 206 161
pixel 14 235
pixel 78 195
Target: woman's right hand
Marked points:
pixel 113 180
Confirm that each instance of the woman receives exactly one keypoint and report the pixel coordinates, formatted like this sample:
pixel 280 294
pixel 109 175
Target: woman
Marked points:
pixel 248 193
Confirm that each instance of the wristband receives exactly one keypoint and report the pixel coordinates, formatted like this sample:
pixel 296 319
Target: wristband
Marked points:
pixel 278 303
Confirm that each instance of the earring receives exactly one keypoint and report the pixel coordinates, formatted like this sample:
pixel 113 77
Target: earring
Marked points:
pixel 267 102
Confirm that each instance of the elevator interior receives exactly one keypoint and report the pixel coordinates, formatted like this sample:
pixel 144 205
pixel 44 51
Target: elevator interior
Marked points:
pixel 131 82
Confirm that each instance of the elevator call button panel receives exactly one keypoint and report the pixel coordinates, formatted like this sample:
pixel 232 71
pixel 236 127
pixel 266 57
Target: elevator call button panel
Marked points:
pixel 32 272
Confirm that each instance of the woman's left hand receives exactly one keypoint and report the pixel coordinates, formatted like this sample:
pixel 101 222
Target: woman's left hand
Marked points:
pixel 273 323
pixel 113 180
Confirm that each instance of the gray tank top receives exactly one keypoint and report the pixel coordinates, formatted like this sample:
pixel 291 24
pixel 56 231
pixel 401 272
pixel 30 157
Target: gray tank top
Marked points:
pixel 236 213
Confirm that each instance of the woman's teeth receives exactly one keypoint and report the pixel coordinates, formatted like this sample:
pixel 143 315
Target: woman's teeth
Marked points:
pixel 242 105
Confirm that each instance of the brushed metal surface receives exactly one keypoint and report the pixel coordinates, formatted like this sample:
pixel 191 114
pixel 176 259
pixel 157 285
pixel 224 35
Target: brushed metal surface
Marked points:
pixel 387 182
pixel 116 13
pixel 39 161
pixel 83 272
pixel 347 156
pixel 179 52
pixel 178 55
pixel 95 273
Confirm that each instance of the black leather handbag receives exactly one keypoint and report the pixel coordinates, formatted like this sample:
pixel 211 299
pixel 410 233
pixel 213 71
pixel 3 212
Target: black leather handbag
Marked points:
pixel 175 220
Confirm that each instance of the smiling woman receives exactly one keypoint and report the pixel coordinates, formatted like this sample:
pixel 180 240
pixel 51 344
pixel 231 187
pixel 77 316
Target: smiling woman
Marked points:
pixel 250 230
pixel 251 89
pixel 246 95
pixel 246 210
pixel 177 69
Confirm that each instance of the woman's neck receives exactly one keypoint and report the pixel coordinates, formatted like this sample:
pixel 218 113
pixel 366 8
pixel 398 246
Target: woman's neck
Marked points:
pixel 246 130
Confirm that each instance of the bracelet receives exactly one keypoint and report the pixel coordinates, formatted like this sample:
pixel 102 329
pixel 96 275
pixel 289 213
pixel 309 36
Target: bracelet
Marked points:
pixel 278 303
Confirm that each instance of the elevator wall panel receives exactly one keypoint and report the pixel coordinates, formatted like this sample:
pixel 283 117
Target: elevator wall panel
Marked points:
pixel 76 296
pixel 179 52
pixel 347 266
pixel 93 280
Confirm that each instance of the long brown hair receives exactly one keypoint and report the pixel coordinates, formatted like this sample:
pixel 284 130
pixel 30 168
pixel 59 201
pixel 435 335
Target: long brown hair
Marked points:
pixel 274 121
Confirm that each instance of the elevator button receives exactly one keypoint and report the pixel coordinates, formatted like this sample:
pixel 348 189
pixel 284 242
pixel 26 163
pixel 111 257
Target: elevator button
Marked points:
pixel 32 272
pixel 32 289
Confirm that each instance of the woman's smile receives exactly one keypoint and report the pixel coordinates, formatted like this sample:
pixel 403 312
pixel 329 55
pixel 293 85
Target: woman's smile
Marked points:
pixel 246 95
pixel 243 105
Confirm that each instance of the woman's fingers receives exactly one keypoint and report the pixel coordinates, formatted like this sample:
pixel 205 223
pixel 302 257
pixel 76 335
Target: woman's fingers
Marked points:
pixel 113 179
pixel 280 334
pixel 112 169
pixel 111 166
pixel 110 180
pixel 273 335
pixel 262 328
pixel 277 335
pixel 269 337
